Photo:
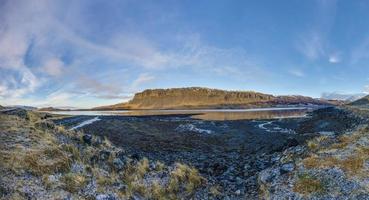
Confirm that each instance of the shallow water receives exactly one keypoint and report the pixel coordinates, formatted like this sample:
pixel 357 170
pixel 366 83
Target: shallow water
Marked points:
pixel 210 114
pixel 87 122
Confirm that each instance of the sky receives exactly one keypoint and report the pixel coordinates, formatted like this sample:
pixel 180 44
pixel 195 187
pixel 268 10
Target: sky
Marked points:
pixel 89 53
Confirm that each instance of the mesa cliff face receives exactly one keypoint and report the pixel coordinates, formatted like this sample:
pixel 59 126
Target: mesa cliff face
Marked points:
pixel 205 98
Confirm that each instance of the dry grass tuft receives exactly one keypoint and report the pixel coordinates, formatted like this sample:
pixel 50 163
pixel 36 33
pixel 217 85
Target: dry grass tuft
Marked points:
pixel 157 191
pixel 73 150
pixel 307 185
pixel 184 174
pixel 47 161
pixel 215 190
pixel 73 182
pixel 142 167
pixel 159 166
pixel 315 143
pixel 352 165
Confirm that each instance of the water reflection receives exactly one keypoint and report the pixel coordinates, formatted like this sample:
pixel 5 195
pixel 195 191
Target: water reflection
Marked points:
pixel 215 114
pixel 271 114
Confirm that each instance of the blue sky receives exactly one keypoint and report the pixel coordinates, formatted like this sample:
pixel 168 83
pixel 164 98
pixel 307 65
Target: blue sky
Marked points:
pixel 90 53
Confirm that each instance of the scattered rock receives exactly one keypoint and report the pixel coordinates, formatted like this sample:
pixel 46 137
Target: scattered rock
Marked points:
pixel 136 156
pixel 121 154
pixel 118 164
pixel 77 168
pixel 291 142
pixel 104 155
pixel 266 176
pixel 106 197
pixel 87 138
pixel 287 167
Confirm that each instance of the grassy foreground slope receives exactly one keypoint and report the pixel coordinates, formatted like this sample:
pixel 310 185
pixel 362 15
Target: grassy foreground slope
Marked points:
pixel 329 167
pixel 39 160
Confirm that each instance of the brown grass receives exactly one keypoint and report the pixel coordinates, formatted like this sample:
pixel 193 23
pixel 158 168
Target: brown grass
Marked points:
pixel 315 143
pixel 351 165
pixel 73 182
pixel 43 156
pixel 307 185
pixel 47 161
pixel 186 175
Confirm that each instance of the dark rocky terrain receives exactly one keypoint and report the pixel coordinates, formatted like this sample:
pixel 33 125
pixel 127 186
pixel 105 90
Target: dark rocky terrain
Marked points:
pixel 229 154
pixel 205 98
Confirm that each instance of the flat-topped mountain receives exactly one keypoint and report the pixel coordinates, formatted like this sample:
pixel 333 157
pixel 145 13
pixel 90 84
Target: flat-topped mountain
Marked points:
pixel 205 98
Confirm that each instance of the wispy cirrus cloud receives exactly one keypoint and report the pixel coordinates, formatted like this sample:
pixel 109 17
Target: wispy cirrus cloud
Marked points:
pixel 312 46
pixel 53 67
pixel 296 72
pixel 314 43
pixel 142 79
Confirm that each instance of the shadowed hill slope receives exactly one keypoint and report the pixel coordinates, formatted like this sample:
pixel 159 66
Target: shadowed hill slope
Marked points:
pixel 361 102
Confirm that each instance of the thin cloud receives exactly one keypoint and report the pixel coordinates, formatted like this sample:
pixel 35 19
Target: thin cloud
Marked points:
pixel 142 79
pixel 311 46
pixel 53 67
pixel 296 72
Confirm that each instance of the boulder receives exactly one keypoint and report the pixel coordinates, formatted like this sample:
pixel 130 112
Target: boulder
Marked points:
pixel 267 176
pixel 104 155
pixel 287 167
pixel 136 156
pixel 118 164
pixel 87 138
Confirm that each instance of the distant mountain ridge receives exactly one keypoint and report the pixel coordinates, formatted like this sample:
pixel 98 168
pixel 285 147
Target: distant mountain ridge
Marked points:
pixel 342 96
pixel 205 98
pixel 52 109
pixel 361 102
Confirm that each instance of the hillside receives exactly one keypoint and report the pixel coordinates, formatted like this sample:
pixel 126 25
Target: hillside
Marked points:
pixel 51 109
pixel 40 160
pixel 361 102
pixel 204 98
pixel 332 166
